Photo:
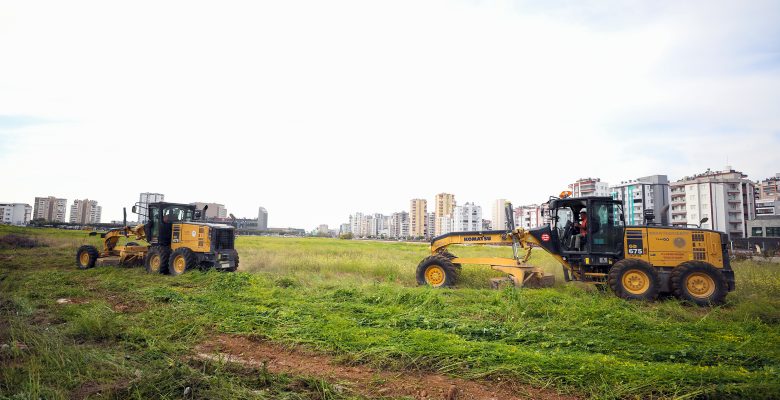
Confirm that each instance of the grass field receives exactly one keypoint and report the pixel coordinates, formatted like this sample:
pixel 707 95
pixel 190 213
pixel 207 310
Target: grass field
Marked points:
pixel 126 334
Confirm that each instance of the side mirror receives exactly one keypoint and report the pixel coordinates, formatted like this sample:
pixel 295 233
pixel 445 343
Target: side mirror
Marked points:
pixel 134 210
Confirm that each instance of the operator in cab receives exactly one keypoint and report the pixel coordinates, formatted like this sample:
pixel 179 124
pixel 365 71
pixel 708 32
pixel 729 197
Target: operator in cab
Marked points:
pixel 581 228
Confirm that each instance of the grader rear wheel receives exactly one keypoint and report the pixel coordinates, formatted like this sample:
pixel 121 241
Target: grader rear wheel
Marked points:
pixel 181 260
pixel 699 282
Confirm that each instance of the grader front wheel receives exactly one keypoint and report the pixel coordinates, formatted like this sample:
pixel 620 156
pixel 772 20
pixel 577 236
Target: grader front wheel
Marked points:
pixel 86 257
pixel 437 271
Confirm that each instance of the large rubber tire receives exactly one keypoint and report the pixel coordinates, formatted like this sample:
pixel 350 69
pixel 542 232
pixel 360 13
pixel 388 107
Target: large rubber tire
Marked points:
pixel 634 280
pixel 181 260
pixel 700 283
pixel 437 271
pixel 86 256
pixel 458 267
pixel 156 260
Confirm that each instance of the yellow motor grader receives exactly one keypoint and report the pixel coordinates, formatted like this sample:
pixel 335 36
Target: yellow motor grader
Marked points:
pixel 637 262
pixel 177 242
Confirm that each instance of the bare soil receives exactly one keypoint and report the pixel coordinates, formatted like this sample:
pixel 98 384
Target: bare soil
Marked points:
pixel 367 381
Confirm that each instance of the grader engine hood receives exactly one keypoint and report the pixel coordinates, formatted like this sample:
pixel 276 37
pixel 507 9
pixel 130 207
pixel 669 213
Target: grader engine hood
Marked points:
pixel 202 237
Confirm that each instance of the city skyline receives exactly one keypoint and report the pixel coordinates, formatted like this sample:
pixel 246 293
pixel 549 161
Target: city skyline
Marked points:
pixel 315 109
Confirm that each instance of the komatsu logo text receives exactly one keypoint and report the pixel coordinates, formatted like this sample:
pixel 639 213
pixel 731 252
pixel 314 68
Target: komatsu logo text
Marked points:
pixel 477 239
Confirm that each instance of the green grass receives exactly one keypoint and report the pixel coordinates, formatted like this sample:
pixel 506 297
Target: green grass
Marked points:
pixel 358 300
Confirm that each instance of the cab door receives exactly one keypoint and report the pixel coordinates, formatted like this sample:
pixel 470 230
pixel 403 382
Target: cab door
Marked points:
pixel 605 227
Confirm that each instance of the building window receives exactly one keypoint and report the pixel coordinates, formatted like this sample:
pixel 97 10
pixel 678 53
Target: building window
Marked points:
pixel 757 231
pixel 773 231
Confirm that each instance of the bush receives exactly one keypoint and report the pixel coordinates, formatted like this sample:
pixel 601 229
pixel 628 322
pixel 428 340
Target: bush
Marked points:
pixel 11 241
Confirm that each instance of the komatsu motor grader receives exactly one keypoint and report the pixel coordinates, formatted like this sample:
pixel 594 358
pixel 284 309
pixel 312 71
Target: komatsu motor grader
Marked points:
pixel 177 242
pixel 637 262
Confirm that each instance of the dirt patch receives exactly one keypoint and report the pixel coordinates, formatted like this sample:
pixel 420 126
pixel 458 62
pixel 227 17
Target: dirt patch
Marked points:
pixel 89 389
pixel 363 379
pixel 123 305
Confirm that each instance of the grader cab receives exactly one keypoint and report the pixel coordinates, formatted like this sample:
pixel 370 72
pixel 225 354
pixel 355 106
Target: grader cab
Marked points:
pixel 177 241
pixel 589 238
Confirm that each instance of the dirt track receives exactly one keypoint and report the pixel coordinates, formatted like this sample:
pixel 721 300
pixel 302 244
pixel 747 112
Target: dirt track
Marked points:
pixel 362 379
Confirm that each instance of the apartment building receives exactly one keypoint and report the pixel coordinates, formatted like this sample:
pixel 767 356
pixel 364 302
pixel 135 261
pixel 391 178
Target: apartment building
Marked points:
pixel 726 198
pixel 499 214
pixel 430 225
pixel 85 212
pixel 445 205
pixel 467 218
pixel 768 196
pixel 398 226
pixel 357 224
pixel 638 195
pixel 215 210
pixel 143 205
pixel 529 216
pixel 418 212
pixel 15 213
pixel 50 209
pixel 589 187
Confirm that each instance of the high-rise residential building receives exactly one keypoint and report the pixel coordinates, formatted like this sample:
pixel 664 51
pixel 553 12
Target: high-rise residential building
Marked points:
pixel 50 209
pixel 399 225
pixel 345 229
pixel 467 218
pixel 499 221
pixel 85 212
pixel 766 207
pixel 769 188
pixel 143 205
pixel 638 195
pixel 322 230
pixel 589 187
pixel 15 213
pixel 215 210
pixel 445 205
pixel 726 198
pixel 357 224
pixel 529 216
pixel 262 219
pixel 430 225
pixel 418 212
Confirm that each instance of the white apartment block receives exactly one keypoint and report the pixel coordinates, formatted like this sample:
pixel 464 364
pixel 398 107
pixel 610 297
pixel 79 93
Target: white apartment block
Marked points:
pixel 499 221
pixel 399 225
pixel 467 218
pixel 15 213
pixel 529 216
pixel 85 212
pixel 357 225
pixel 430 225
pixel 143 205
pixel 50 209
pixel 445 203
pixel 589 187
pixel 725 198
pixel 650 192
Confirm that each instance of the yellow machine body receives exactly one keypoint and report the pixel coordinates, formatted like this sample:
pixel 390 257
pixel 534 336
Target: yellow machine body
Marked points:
pixel 193 236
pixel 668 247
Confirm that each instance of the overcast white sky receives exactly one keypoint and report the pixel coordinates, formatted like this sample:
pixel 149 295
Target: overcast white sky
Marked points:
pixel 319 109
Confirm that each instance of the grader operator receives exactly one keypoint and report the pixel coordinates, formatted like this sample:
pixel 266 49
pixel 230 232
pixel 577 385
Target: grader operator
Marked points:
pixel 178 241
pixel 588 237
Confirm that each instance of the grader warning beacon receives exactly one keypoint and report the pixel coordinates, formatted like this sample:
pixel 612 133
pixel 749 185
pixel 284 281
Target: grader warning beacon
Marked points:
pixel 177 241
pixel 589 238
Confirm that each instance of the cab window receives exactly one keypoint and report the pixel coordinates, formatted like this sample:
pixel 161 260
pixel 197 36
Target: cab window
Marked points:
pixel 173 214
pixel 606 227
